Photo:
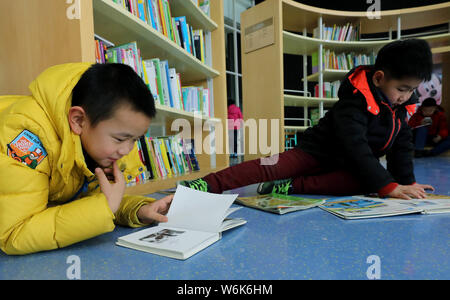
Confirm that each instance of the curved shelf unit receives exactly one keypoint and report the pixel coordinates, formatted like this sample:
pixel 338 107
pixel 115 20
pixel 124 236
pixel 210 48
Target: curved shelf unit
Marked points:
pixel 303 45
pixel 114 23
pixel 292 23
pixel 297 15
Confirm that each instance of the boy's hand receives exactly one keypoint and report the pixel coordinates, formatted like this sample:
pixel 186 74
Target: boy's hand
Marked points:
pixel 113 191
pixel 437 139
pixel 155 211
pixel 410 191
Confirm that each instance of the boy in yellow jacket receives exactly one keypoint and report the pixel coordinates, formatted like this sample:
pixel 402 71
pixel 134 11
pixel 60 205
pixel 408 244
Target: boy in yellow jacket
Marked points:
pixel 66 153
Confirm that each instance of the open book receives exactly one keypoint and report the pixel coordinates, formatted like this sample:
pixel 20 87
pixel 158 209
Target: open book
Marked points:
pixel 361 207
pixel 279 204
pixel 196 220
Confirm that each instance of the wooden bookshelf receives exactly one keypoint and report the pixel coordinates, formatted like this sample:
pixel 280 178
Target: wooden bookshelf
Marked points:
pixel 44 36
pixel 285 26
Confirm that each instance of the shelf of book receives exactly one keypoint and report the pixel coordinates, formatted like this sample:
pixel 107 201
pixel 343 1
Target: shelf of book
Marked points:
pixel 291 100
pixel 298 44
pixel 165 113
pixel 290 27
pixel 194 15
pixel 328 75
pixel 303 45
pixel 114 23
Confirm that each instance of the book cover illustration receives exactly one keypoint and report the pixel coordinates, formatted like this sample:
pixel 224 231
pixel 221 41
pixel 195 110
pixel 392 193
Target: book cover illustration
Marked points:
pixel 278 203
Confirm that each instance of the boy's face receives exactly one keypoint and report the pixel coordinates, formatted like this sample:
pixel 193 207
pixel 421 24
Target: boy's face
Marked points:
pixel 428 111
pixel 398 91
pixel 113 138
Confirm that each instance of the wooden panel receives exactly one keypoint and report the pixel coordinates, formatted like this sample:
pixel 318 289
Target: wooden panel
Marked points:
pixel 220 82
pixel 262 78
pixel 37 34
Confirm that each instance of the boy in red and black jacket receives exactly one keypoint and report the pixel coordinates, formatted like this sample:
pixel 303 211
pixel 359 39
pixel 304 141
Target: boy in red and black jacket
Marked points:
pixel 430 127
pixel 340 155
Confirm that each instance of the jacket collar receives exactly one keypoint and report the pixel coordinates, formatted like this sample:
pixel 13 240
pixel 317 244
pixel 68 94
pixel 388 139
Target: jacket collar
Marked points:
pixel 360 79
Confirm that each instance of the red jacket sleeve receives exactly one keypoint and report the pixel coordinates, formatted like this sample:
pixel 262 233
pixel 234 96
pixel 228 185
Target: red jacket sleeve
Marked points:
pixel 415 120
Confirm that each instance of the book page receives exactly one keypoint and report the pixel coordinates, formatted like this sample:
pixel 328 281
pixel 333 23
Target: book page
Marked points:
pixel 197 210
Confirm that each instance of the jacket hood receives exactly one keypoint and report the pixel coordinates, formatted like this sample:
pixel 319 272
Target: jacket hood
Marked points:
pixel 52 90
pixel 359 79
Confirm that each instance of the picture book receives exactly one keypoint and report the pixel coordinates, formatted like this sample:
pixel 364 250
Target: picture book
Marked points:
pixel 279 204
pixel 196 220
pixel 361 207
pixel 433 204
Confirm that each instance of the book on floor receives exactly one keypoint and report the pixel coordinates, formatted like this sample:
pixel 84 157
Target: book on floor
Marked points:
pixel 362 207
pixel 432 204
pixel 279 204
pixel 196 220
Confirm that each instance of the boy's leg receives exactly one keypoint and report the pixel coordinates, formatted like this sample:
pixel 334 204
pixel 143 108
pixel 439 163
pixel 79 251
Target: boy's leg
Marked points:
pixel 333 183
pixel 441 147
pixel 420 139
pixel 291 163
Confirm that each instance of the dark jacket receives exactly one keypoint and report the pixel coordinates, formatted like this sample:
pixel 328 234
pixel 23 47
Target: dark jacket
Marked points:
pixel 359 129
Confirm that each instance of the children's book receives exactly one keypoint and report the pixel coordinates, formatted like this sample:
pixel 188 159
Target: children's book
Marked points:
pixel 361 207
pixel 433 204
pixel 279 204
pixel 196 220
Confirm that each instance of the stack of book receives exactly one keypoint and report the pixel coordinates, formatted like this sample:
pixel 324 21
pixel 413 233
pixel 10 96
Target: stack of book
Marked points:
pixel 157 14
pixel 329 89
pixel 167 156
pixel 343 61
pixel 348 32
pixel 163 81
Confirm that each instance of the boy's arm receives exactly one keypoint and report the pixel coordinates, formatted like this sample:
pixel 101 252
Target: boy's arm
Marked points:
pixel 400 157
pixel 27 225
pixel 351 125
pixel 415 120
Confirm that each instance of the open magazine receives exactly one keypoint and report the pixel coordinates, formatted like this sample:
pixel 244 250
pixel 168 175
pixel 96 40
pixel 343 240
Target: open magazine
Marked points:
pixel 279 204
pixel 196 220
pixel 361 207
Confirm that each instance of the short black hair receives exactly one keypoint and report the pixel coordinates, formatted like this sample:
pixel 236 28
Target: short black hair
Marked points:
pixel 429 102
pixel 409 58
pixel 104 87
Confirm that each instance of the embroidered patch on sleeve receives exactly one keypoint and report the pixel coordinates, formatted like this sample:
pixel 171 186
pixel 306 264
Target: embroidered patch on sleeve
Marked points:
pixel 26 148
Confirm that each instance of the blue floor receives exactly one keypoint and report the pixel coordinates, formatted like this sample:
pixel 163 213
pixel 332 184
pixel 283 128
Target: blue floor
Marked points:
pixel 434 171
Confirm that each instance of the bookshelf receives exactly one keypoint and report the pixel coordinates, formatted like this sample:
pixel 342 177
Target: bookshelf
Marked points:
pixel 44 36
pixel 287 27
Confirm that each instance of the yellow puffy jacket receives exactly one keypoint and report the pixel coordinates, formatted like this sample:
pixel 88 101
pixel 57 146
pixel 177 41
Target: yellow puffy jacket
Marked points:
pixel 37 206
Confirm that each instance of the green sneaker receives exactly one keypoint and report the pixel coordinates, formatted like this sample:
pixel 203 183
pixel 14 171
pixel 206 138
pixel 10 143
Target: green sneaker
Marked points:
pixel 197 184
pixel 283 187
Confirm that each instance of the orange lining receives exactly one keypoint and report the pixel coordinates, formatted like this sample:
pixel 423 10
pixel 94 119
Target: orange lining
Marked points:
pixel 359 80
